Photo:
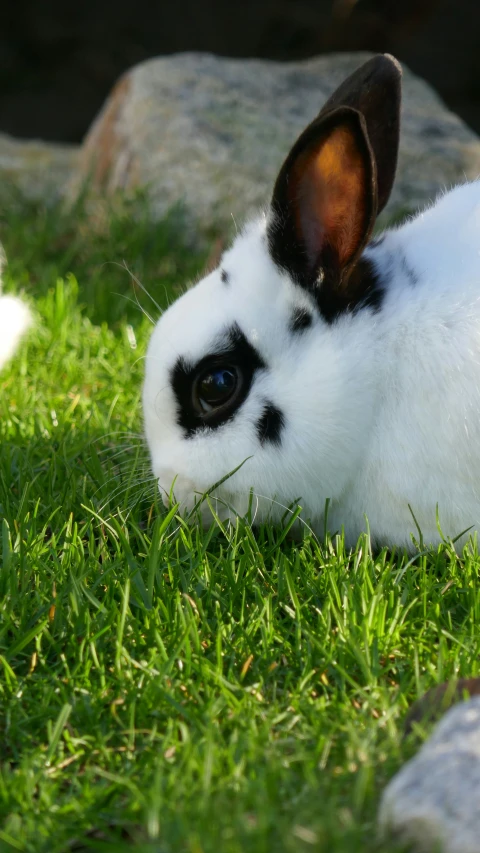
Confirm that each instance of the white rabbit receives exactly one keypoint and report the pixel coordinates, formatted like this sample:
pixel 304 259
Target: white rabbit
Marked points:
pixel 14 321
pixel 331 366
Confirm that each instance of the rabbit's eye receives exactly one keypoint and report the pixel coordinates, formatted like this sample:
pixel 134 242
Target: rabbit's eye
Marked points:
pixel 214 388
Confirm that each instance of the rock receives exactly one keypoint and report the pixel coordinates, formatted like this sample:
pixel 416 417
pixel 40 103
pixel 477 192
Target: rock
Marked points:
pixel 213 132
pixel 433 803
pixel 41 170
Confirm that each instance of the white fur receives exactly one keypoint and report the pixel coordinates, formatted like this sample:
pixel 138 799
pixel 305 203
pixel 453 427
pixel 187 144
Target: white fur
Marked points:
pixel 14 321
pixel 382 409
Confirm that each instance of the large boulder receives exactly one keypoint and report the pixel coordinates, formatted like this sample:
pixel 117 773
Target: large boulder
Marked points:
pixel 213 132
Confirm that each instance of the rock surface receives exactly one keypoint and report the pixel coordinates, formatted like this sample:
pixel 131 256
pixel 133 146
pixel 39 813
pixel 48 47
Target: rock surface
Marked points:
pixel 433 803
pixel 213 132
pixel 39 169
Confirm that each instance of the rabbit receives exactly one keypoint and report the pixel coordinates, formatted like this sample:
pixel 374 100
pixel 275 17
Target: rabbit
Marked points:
pixel 14 321
pixel 322 366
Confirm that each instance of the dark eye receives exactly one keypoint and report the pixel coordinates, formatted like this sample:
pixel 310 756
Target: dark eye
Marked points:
pixel 215 387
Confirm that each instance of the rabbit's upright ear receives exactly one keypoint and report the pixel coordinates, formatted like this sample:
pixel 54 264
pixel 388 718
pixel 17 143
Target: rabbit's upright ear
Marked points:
pixel 324 207
pixel 336 178
pixel 374 90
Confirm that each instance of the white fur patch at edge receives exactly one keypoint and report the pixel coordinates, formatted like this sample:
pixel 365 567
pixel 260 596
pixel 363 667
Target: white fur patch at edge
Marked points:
pixel 14 321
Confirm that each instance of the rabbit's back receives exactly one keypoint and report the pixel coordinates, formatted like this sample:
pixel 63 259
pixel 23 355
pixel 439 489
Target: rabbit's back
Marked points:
pixel 424 449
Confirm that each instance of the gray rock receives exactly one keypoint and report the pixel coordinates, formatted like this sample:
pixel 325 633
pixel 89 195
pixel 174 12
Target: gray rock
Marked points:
pixel 41 170
pixel 213 132
pixel 433 803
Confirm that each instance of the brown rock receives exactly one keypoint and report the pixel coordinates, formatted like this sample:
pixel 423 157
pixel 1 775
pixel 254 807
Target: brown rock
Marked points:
pixel 213 132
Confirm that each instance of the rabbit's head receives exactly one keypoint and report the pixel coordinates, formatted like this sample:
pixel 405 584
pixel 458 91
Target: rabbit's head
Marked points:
pixel 261 370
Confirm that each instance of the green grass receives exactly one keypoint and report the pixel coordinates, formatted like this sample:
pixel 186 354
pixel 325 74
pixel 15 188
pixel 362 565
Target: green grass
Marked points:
pixel 164 689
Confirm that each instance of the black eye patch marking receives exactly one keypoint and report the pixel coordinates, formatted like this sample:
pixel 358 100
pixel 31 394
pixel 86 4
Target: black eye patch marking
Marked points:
pixel 270 425
pixel 231 349
pixel 225 278
pixel 300 320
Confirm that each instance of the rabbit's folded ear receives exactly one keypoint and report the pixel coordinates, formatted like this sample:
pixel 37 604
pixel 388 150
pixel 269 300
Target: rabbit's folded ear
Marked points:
pixel 374 90
pixel 324 205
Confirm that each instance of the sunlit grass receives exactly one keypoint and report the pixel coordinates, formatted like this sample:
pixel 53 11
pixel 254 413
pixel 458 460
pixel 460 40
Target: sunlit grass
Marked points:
pixel 165 689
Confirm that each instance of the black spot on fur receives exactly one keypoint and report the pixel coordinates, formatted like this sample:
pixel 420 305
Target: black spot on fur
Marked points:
pixel 409 271
pixel 365 290
pixel 225 277
pixel 300 320
pixel 270 425
pixel 230 349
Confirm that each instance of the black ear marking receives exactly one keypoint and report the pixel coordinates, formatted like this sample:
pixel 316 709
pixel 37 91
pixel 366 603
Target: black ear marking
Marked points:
pixel 270 425
pixel 366 290
pixel 375 90
pixel 324 204
pixel 336 178
pixel 225 278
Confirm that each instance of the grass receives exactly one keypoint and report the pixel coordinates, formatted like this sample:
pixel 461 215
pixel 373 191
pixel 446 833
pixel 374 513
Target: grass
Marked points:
pixel 164 689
